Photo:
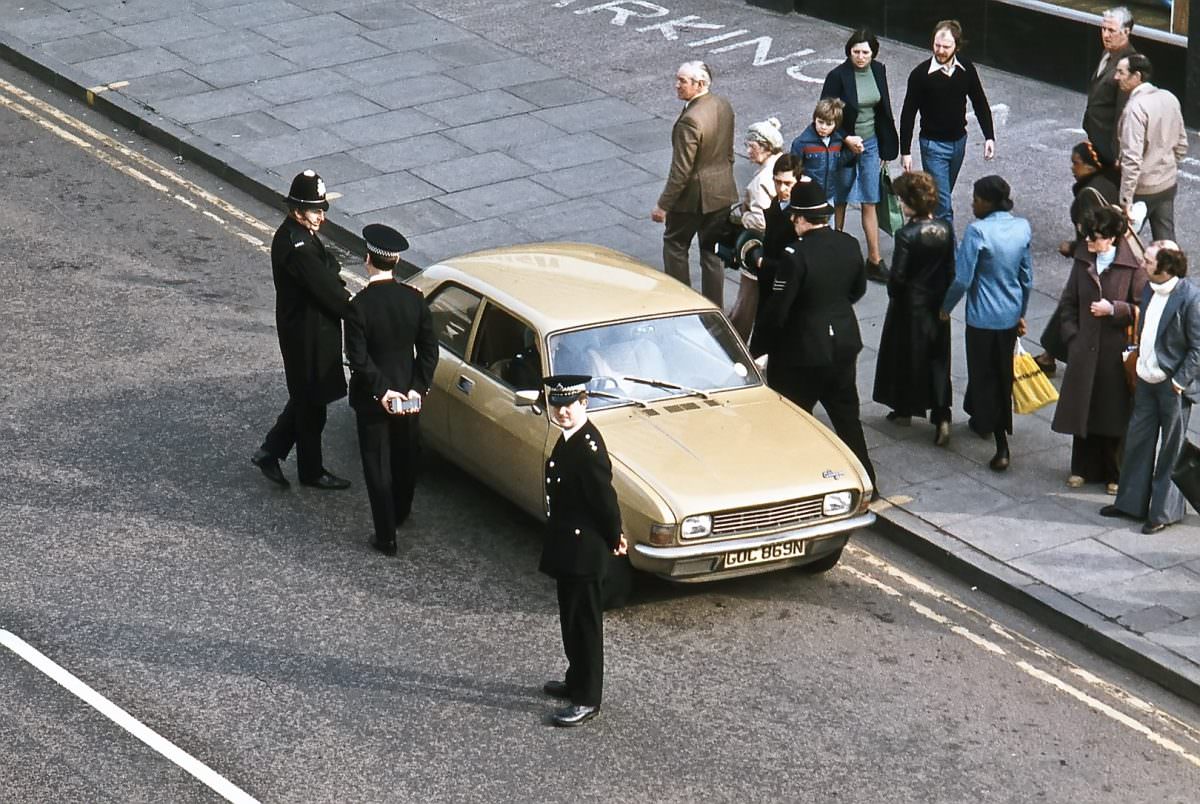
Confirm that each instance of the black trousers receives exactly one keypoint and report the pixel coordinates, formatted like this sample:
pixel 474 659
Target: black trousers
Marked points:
pixel 390 447
pixel 581 615
pixel 836 388
pixel 988 400
pixel 300 424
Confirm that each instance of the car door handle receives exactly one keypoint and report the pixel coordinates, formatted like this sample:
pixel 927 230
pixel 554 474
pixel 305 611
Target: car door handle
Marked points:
pixel 465 384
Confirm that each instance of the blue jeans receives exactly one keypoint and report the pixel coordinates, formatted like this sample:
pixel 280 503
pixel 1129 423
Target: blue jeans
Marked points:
pixel 942 160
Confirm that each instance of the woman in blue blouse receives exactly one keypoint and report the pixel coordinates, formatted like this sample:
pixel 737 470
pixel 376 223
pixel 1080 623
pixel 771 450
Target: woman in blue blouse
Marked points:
pixel 994 270
pixel 870 137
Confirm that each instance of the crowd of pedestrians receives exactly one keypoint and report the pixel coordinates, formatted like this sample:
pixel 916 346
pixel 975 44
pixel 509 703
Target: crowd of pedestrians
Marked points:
pixel 800 275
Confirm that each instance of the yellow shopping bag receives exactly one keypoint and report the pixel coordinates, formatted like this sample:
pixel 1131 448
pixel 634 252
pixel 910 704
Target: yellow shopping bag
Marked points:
pixel 1031 388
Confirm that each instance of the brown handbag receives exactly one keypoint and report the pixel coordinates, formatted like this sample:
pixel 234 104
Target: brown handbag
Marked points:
pixel 1131 352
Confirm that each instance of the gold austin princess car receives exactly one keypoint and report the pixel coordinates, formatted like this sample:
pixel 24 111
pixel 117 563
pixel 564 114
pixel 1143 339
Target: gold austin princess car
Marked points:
pixel 717 475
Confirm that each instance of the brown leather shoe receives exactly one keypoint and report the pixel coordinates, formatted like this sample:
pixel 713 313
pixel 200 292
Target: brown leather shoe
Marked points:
pixel 1047 364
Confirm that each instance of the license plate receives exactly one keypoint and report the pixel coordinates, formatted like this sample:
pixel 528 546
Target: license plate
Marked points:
pixel 768 552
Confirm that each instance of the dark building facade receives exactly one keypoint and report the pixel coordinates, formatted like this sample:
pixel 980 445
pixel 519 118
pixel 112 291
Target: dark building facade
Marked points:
pixel 1054 42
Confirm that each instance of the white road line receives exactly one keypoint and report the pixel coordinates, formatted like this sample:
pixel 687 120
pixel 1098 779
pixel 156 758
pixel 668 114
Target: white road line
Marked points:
pixel 219 784
pixel 1186 730
pixel 1105 709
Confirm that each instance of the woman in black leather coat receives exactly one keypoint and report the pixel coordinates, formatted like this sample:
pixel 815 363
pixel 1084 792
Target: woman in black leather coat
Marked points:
pixel 912 374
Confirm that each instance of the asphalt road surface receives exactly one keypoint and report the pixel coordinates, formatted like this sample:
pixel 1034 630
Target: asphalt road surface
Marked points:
pixel 238 640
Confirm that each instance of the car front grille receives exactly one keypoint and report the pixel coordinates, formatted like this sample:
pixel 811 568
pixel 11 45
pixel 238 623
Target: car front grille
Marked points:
pixel 768 517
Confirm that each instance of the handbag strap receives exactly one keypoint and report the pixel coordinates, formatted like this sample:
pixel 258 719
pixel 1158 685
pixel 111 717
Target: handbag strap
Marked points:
pixel 1131 331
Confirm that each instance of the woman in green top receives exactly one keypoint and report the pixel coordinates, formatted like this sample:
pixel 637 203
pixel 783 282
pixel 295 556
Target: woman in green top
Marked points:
pixel 869 132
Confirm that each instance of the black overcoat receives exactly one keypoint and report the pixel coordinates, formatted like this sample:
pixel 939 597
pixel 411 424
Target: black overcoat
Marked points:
pixel 584 520
pixel 1094 398
pixel 839 83
pixel 809 318
pixel 310 303
pixel 390 343
pixel 912 372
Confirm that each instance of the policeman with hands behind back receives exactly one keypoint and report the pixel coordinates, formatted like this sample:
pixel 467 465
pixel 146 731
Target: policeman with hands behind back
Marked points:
pixel 392 353
pixel 584 527
pixel 310 303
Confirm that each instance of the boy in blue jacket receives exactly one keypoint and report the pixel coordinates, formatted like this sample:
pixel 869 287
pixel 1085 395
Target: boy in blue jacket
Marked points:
pixel 819 147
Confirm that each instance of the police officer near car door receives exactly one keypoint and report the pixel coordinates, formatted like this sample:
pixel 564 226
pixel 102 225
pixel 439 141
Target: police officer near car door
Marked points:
pixel 310 303
pixel 583 529
pixel 392 353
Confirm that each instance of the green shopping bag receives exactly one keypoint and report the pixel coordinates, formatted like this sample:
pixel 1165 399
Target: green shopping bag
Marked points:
pixel 891 217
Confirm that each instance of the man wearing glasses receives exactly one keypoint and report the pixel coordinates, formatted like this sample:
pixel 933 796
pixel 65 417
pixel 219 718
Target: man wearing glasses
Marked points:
pixel 310 303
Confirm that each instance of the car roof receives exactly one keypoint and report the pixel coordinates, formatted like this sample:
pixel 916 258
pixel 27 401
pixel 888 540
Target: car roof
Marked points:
pixel 558 286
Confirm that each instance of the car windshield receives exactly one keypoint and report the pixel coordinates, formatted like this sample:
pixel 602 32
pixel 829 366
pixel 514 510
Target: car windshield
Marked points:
pixel 635 361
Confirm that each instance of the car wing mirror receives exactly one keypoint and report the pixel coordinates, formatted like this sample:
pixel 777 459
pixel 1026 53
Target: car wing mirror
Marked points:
pixel 529 399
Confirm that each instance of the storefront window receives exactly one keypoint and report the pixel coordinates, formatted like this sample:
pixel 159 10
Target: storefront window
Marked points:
pixel 1156 15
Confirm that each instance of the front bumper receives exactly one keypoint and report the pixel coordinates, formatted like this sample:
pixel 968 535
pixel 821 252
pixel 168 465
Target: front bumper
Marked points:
pixel 702 562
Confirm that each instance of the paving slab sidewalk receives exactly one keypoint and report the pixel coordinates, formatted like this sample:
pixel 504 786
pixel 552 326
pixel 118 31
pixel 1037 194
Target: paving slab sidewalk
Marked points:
pixel 468 125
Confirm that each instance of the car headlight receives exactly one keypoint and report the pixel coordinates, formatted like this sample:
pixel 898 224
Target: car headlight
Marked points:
pixel 661 534
pixel 696 527
pixel 836 503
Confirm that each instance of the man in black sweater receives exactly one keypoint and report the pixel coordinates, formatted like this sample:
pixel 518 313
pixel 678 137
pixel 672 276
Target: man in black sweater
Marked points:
pixel 392 352
pixel 938 88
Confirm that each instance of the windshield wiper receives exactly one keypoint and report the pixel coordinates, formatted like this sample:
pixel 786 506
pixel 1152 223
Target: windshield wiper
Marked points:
pixel 669 386
pixel 619 398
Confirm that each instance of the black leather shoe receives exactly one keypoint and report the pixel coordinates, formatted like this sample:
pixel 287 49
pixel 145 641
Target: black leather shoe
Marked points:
pixel 942 438
pixel 1154 527
pixel 269 466
pixel 387 548
pixel 999 461
pixel 575 715
pixel 1114 512
pixel 556 689
pixel 328 482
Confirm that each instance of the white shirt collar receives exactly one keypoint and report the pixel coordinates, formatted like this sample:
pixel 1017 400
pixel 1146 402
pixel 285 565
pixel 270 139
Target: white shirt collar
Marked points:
pixel 948 69
pixel 383 276
pixel 568 433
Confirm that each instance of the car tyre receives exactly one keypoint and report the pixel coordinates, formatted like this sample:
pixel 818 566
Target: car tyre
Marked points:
pixel 823 564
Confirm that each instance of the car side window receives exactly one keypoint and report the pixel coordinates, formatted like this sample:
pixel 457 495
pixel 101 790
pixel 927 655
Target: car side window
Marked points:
pixel 506 348
pixel 453 310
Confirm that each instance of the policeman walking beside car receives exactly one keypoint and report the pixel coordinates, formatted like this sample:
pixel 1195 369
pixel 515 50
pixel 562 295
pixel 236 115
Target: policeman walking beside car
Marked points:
pixel 583 528
pixel 392 353
pixel 310 303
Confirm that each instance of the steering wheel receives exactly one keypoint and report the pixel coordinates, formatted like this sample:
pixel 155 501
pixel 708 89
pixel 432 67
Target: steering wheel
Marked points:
pixel 605 384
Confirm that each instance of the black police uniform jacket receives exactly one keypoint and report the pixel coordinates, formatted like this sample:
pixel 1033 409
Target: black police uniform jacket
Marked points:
pixel 810 318
pixel 584 521
pixel 310 303
pixel 389 343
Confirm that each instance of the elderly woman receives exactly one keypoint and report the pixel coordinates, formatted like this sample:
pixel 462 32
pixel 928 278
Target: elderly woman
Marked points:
pixel 912 372
pixel 994 271
pixel 869 133
pixel 1098 303
pixel 764 144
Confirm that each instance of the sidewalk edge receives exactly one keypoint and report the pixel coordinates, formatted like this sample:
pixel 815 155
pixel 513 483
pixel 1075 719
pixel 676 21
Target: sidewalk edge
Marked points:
pixel 1044 603
pixel 217 160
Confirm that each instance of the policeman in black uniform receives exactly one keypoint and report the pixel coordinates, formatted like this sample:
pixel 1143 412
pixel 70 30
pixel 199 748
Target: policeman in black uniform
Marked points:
pixel 310 303
pixel 392 353
pixel 584 527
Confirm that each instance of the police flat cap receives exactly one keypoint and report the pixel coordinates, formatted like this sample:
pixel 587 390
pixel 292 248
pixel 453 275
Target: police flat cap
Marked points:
pixel 563 389
pixel 384 241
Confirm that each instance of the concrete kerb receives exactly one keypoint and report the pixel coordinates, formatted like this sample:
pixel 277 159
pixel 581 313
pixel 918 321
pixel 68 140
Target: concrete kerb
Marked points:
pixel 215 159
pixel 1045 604
pixel 907 530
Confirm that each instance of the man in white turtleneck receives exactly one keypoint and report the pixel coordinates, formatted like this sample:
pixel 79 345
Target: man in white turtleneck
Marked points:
pixel 1168 383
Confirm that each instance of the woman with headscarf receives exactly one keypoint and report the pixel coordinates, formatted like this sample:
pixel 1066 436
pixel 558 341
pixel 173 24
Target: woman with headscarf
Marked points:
pixel 994 271
pixel 1098 304
pixel 764 145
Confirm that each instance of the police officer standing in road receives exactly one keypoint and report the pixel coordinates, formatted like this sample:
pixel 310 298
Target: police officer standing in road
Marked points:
pixel 392 353
pixel 310 303
pixel 584 526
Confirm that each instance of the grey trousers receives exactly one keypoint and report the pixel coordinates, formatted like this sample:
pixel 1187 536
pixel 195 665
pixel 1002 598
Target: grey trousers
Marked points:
pixel 677 241
pixel 1146 487
pixel 1160 212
